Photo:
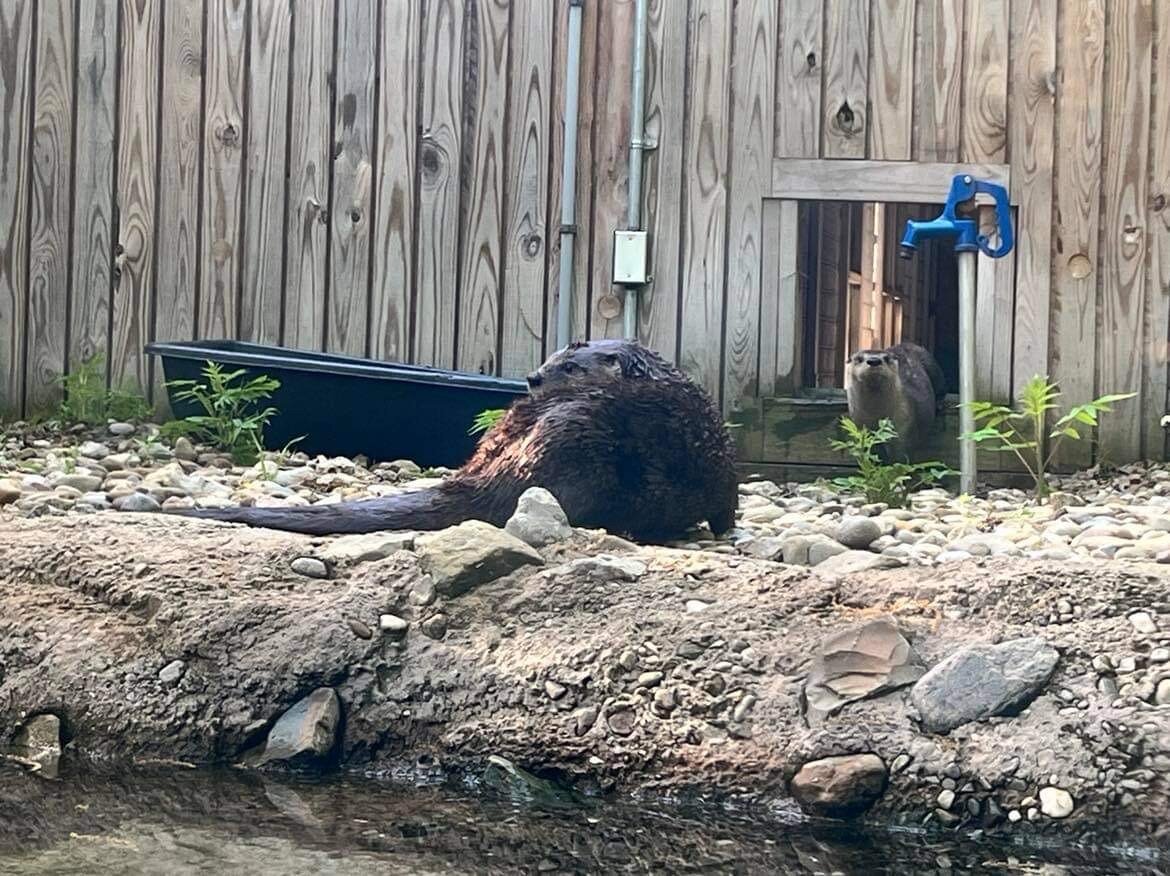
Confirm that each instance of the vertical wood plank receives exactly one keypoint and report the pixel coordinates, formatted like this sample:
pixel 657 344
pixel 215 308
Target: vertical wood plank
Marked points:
pixel 223 162
pixel 770 245
pixel 845 112
pixel 396 162
pixel 666 56
pixel 481 269
pixel 579 317
pixel 1078 196
pixel 790 312
pixel 994 306
pixel 16 36
pixel 137 198
pixel 1154 387
pixel 750 166
pixel 437 240
pixel 891 79
pixel 799 69
pixel 831 276
pixel 355 63
pixel 49 218
pixel 1125 174
pixel 93 212
pixel 1032 126
pixel 310 150
pixel 611 143
pixel 180 173
pixel 267 139
pixel 705 173
pixel 938 65
pixel 985 68
pixel 526 184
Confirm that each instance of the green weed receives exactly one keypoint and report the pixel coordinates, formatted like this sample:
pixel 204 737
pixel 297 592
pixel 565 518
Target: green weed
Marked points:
pixel 889 483
pixel 1022 429
pixel 229 420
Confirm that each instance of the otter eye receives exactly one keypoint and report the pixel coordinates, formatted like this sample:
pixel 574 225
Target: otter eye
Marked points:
pixel 888 359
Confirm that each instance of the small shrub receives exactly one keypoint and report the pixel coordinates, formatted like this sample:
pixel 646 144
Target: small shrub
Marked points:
pixel 1002 426
pixel 484 420
pixel 88 401
pixel 890 483
pixel 229 421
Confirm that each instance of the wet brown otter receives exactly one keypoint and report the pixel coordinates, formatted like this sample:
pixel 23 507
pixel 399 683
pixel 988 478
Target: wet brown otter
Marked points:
pixel 903 383
pixel 623 440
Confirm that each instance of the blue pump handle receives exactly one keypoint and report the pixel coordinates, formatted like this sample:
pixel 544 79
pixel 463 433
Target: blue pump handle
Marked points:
pixel 964 188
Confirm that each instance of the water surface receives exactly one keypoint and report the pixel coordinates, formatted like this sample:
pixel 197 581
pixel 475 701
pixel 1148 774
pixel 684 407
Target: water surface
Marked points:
pixel 179 821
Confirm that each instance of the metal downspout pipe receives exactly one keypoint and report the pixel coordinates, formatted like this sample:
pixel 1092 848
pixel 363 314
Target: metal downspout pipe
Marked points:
pixel 568 229
pixel 637 146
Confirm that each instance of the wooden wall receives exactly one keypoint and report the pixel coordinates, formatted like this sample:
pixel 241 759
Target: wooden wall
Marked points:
pixel 381 177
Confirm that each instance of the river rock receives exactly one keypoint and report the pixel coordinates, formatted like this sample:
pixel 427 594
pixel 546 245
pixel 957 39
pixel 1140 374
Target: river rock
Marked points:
pixel 137 502
pixel 858 532
pixel 462 557
pixel 839 787
pixel 93 450
pixel 307 729
pixel 981 681
pixel 858 662
pixel 851 562
pixel 81 482
pixel 539 519
pixel 366 547
pixel 9 492
pixel 820 551
pixel 310 567
pixel 40 734
pixel 1056 802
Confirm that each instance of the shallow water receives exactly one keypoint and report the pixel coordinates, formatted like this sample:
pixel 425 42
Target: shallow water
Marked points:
pixel 184 821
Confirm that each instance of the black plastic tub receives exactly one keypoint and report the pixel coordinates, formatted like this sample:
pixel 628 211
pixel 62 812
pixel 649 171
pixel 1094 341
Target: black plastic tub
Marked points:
pixel 345 405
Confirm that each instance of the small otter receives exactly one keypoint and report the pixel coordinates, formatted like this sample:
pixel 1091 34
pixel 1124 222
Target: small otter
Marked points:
pixel 903 383
pixel 647 457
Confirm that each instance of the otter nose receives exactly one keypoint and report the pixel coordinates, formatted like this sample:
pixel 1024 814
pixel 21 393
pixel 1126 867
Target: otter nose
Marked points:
pixel 873 360
pixel 534 380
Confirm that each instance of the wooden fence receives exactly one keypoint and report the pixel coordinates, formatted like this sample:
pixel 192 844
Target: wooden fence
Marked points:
pixel 381 177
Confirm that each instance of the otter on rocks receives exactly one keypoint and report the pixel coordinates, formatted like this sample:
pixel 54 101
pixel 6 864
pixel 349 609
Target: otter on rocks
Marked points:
pixel 623 440
pixel 903 383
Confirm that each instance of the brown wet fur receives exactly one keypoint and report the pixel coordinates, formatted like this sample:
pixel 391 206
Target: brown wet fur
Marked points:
pixel 903 383
pixel 622 439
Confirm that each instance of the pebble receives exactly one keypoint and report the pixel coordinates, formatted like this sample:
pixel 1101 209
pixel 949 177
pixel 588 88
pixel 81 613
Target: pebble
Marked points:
pixel 137 502
pixel 1056 802
pixel 1143 623
pixel 121 429
pixel 858 532
pixel 172 672
pixel 310 567
pixel 393 625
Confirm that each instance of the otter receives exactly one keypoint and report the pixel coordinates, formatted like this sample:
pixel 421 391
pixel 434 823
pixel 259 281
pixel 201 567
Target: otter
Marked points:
pixel 625 442
pixel 903 383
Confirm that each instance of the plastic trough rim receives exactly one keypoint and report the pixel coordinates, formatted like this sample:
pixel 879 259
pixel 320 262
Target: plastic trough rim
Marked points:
pixel 353 367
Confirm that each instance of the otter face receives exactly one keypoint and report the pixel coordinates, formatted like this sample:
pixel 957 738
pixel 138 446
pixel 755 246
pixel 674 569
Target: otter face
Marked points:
pixel 872 365
pixel 591 363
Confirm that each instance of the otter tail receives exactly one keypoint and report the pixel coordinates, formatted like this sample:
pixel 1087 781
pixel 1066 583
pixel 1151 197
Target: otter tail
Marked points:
pixel 434 508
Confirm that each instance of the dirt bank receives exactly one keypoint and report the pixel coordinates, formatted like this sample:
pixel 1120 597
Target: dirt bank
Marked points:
pixel 643 670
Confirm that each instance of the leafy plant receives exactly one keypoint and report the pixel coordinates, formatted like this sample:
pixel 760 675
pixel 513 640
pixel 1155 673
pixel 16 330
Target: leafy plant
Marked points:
pixel 1022 430
pixel 890 483
pixel 88 401
pixel 230 421
pixel 484 420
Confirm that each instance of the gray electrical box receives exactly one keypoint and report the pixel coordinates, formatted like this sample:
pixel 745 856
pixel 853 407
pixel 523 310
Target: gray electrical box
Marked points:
pixel 631 258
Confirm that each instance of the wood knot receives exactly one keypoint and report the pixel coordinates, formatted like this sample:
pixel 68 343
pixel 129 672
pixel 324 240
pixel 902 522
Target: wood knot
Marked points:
pixel 355 216
pixel 811 60
pixel 229 135
pixel 431 161
pixel 1159 203
pixel 847 120
pixel 530 245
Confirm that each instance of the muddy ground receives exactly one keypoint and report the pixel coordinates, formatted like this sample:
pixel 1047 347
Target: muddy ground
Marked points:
pixel 647 671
